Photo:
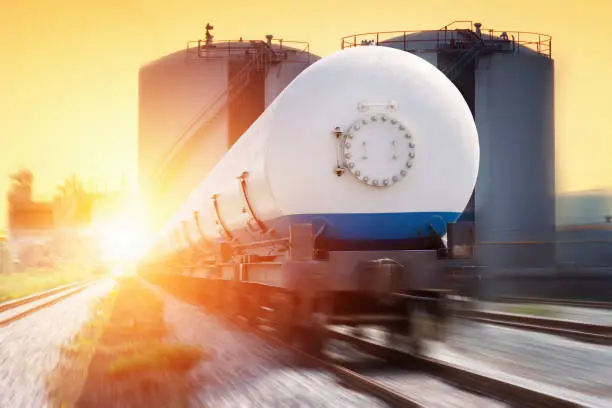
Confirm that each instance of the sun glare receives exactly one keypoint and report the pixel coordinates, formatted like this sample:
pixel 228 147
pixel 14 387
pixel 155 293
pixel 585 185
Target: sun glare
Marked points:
pixel 121 241
pixel 122 237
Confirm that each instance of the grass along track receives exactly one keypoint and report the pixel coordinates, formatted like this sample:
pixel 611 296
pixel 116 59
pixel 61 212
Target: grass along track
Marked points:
pixel 31 281
pixel 120 357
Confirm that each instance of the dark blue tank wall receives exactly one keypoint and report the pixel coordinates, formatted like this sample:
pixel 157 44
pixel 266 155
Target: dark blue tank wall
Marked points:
pixel 248 105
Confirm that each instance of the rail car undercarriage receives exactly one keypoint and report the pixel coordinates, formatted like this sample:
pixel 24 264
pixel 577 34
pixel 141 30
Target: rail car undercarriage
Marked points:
pixel 298 289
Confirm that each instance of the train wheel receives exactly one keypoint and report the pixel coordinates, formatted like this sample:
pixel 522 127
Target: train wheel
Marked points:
pixel 231 306
pixel 417 322
pixel 283 316
pixel 315 338
pixel 443 318
pixel 252 310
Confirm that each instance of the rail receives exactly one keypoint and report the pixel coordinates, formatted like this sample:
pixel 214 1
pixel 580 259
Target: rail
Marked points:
pixel 585 332
pixel 471 380
pixel 559 242
pixel 589 304
pixel 20 308
pixel 451 38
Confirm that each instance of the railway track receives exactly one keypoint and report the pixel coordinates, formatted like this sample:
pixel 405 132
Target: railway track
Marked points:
pixel 589 304
pixel 462 378
pixel 458 377
pixel 344 374
pixel 501 388
pixel 18 309
pixel 586 332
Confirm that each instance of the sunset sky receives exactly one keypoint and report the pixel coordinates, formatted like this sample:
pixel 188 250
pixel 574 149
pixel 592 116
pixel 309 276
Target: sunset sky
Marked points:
pixel 69 72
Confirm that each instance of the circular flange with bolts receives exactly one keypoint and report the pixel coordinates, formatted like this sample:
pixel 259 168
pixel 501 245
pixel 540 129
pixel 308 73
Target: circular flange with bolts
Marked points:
pixel 378 150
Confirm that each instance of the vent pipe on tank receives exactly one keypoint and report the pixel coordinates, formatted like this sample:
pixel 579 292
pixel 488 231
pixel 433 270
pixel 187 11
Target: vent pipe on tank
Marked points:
pixel 209 36
pixel 269 39
pixel 478 25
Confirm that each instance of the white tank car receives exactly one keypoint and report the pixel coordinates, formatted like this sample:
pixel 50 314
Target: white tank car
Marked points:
pixel 372 142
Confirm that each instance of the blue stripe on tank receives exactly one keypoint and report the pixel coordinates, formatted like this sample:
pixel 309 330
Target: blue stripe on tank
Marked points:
pixel 376 226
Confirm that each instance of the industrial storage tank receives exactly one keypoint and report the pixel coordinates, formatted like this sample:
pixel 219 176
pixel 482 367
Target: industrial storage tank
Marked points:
pixel 507 79
pixel 194 104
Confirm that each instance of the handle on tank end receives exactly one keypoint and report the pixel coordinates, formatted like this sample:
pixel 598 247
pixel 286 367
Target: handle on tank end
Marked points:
pixel 243 186
pixel 339 135
pixel 223 230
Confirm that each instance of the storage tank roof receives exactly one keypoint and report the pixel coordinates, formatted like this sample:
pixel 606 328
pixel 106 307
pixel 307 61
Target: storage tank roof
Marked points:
pixel 286 51
pixel 455 36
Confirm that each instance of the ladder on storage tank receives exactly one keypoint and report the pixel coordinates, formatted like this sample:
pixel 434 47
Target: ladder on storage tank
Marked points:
pixel 207 116
pixel 262 57
pixel 474 45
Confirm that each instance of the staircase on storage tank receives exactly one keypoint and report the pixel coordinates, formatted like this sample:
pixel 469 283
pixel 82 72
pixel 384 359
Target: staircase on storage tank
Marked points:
pixel 259 58
pixel 469 45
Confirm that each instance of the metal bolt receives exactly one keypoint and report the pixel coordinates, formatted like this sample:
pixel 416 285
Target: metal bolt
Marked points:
pixel 411 145
pixel 395 178
pixel 375 182
pixel 385 182
pixel 374 118
pixel 403 172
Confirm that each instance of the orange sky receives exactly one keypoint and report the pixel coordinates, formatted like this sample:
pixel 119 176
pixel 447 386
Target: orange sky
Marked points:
pixel 69 72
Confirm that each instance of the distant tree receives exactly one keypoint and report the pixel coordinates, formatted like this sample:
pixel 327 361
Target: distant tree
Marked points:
pixel 73 202
pixel 21 186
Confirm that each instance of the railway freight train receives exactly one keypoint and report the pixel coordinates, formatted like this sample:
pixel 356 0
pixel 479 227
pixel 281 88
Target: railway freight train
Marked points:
pixel 333 206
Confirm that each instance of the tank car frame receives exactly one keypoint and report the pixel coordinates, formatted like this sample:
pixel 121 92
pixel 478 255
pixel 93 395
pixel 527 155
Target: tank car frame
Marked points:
pixel 300 289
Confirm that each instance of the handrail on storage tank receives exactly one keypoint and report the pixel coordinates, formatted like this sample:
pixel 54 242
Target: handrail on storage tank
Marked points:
pixel 434 40
pixel 457 22
pixel 227 48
